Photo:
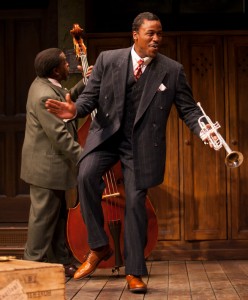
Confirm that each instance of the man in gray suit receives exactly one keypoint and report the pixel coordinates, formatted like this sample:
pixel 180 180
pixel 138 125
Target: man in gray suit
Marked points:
pixel 49 157
pixel 130 126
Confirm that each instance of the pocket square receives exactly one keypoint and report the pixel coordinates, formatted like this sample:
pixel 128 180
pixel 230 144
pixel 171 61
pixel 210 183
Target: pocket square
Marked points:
pixel 162 87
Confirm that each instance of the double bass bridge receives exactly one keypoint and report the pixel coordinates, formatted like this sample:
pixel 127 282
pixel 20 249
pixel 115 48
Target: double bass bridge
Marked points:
pixel 117 194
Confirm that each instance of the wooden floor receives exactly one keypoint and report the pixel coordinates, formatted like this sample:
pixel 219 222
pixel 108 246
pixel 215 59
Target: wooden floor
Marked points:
pixel 203 280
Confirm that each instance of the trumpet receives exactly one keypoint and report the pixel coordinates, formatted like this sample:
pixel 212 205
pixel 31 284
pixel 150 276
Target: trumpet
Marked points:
pixel 234 158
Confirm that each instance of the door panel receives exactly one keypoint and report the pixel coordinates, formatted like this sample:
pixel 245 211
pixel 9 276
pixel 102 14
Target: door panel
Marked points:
pixel 204 172
pixel 21 38
pixel 238 128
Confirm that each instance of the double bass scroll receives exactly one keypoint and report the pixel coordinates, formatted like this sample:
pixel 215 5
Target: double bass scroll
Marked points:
pixel 80 49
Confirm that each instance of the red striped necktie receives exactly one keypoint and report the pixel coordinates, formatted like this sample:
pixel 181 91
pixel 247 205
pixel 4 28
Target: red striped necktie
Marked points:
pixel 138 71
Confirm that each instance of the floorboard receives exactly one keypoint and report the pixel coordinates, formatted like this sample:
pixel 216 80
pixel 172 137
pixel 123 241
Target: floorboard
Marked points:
pixel 170 280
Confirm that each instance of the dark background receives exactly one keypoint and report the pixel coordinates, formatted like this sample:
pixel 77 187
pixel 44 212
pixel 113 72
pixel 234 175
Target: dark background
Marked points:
pixel 176 15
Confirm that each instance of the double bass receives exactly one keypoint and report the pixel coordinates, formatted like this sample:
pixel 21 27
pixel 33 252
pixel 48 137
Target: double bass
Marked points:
pixel 113 198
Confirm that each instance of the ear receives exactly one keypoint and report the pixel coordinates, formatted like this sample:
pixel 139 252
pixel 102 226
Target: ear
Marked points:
pixel 135 35
pixel 55 71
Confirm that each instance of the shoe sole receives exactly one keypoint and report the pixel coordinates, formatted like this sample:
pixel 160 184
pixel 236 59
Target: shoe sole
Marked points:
pixel 138 290
pixel 108 255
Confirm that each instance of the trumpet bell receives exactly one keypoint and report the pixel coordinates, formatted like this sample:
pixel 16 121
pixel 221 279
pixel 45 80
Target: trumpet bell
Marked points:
pixel 234 159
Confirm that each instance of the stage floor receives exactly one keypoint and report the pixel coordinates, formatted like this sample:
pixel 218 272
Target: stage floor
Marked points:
pixel 203 280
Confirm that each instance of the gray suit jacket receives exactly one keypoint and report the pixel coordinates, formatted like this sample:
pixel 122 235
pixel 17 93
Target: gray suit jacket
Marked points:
pixel 50 152
pixel 105 91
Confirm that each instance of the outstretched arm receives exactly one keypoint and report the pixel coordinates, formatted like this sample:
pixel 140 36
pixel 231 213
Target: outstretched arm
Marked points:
pixel 63 110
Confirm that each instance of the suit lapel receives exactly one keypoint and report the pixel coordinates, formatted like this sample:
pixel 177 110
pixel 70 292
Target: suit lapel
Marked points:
pixel 154 79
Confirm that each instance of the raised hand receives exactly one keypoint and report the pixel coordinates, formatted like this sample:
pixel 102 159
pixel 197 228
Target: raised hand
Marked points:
pixel 63 110
pixel 88 72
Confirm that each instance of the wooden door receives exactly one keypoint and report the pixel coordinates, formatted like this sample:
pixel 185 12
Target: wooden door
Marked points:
pixel 22 36
pixel 204 170
pixel 237 80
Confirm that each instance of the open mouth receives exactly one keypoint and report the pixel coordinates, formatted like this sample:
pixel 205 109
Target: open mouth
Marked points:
pixel 155 46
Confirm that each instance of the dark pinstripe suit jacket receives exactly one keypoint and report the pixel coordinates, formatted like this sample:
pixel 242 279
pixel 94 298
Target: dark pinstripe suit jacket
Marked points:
pixel 106 92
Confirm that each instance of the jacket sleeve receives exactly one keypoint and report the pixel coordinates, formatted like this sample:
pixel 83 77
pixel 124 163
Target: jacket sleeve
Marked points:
pixel 77 90
pixel 186 106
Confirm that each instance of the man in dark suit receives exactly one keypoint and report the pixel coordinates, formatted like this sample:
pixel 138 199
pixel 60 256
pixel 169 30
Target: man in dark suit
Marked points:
pixel 49 157
pixel 130 126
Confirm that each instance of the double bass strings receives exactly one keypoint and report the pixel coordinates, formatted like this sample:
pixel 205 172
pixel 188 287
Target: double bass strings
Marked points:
pixel 111 195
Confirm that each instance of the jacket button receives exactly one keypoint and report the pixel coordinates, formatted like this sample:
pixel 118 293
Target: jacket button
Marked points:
pixel 107 115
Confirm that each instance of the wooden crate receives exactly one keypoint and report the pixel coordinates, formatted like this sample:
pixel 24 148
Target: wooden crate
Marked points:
pixel 23 280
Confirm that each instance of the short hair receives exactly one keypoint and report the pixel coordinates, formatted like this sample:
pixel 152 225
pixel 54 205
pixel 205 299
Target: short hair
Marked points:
pixel 46 61
pixel 141 17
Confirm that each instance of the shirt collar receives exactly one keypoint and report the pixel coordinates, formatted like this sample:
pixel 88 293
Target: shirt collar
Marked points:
pixel 55 82
pixel 136 58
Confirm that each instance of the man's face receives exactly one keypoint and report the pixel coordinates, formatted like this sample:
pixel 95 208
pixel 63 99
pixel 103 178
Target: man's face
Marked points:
pixel 63 68
pixel 148 39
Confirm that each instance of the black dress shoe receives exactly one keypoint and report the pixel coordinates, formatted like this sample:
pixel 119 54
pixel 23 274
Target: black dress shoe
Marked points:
pixel 70 270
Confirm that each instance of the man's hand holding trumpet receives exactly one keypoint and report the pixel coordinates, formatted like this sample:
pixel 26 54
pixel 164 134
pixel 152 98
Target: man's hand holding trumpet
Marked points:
pixel 210 135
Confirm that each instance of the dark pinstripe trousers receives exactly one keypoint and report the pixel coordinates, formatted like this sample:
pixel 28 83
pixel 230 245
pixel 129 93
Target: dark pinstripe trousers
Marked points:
pixel 91 186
